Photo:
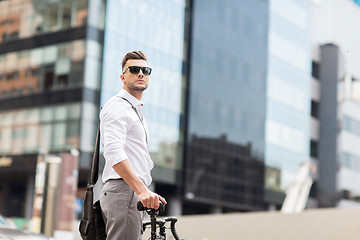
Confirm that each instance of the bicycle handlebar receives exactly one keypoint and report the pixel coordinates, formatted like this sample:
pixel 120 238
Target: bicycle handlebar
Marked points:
pixel 141 207
pixel 161 222
pixel 172 221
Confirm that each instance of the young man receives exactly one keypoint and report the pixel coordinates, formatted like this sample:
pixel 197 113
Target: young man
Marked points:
pixel 124 137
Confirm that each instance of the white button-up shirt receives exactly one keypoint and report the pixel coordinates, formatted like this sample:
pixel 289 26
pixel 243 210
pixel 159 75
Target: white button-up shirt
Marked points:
pixel 123 137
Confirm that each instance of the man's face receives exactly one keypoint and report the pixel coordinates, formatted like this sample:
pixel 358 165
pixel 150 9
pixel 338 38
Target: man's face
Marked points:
pixel 135 82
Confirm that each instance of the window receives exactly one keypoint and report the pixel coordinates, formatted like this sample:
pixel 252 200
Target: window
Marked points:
pixel 24 18
pixel 350 161
pixel 77 73
pixel 34 79
pixel 45 136
pixel 58 137
pixel 49 78
pixel 313 148
pixel 66 15
pixel 73 134
pixel 52 18
pixel 81 13
pixel 5 140
pixel 315 70
pixel 39 21
pixel 351 125
pixel 50 128
pixel 314 109
pixel 62 81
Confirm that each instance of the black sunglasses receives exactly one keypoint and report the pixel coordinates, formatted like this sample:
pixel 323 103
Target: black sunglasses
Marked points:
pixel 135 70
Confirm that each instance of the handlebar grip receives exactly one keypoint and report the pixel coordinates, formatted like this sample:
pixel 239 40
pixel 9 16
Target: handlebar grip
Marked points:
pixel 141 207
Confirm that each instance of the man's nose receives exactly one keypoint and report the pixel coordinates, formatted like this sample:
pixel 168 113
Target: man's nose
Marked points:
pixel 141 72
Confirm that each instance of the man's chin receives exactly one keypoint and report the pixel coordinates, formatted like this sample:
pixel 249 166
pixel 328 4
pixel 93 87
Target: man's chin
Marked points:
pixel 139 89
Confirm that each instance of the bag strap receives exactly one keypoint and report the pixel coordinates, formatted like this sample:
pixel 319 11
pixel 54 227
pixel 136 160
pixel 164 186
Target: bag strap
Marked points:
pixel 134 108
pixel 94 173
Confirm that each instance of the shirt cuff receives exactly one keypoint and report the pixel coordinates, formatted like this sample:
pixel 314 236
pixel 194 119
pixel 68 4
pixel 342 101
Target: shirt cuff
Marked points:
pixel 115 158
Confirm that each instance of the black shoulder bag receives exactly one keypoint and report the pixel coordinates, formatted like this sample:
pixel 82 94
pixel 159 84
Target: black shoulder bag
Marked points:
pixel 92 226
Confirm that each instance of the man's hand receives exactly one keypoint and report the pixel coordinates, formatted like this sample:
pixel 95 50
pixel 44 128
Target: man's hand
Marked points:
pixel 150 199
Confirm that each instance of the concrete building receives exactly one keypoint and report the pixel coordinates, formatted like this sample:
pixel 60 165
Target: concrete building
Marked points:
pixel 335 101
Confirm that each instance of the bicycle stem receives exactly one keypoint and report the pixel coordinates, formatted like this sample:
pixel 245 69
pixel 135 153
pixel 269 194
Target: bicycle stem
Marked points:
pixel 153 226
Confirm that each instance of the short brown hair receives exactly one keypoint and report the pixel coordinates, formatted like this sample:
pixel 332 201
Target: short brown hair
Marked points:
pixel 133 55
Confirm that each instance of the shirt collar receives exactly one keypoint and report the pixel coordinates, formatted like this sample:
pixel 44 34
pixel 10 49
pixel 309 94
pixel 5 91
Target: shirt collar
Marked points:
pixel 133 100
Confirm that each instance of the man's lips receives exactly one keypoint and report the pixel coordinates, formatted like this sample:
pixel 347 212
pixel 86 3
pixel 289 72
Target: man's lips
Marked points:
pixel 140 81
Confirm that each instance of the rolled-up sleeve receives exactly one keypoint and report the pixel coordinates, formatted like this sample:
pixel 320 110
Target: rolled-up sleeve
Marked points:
pixel 113 128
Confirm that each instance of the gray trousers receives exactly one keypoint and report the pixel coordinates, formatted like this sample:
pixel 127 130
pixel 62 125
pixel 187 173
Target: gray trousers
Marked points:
pixel 122 219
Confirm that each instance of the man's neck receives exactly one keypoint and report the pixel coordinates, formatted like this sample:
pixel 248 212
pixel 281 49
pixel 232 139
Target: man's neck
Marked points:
pixel 137 94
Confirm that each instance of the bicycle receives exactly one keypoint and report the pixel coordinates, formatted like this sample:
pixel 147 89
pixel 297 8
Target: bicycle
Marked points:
pixel 158 222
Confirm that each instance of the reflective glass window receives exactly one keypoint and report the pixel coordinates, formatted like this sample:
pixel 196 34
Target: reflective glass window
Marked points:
pixel 23 58
pixel 78 50
pixel 52 17
pixel 73 134
pixel 162 25
pixel 34 79
pixel 45 136
pixel 5 140
pixel 59 135
pixel 31 138
pixel 26 15
pixel 32 116
pixel 74 111
pixel 19 118
pixel 77 73
pixel 39 23
pixel 49 77
pixel 23 18
pixel 36 56
pixel 64 50
pixel 6 119
pixel 50 54
pixel 66 14
pixel 48 68
pixel 81 13
pixel 46 114
pixel 49 128
pixel 60 113
pixel 18 139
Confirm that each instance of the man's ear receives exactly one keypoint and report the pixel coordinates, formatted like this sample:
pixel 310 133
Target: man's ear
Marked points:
pixel 122 78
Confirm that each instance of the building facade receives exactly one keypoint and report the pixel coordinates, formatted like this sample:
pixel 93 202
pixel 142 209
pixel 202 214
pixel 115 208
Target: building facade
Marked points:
pixel 335 104
pixel 160 34
pixel 288 95
pixel 226 106
pixel 50 65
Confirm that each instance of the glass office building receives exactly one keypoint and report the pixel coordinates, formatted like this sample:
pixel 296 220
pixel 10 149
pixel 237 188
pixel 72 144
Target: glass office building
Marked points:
pixel 224 163
pixel 159 33
pixel 50 62
pixel 288 93
pixel 205 104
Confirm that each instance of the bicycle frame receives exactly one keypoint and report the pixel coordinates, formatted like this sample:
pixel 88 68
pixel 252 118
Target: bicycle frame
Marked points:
pixel 161 222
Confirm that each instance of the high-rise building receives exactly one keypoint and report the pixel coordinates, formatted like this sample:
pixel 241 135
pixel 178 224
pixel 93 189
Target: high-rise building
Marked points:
pixel 226 111
pixel 335 102
pixel 157 28
pixel 288 95
pixel 50 65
